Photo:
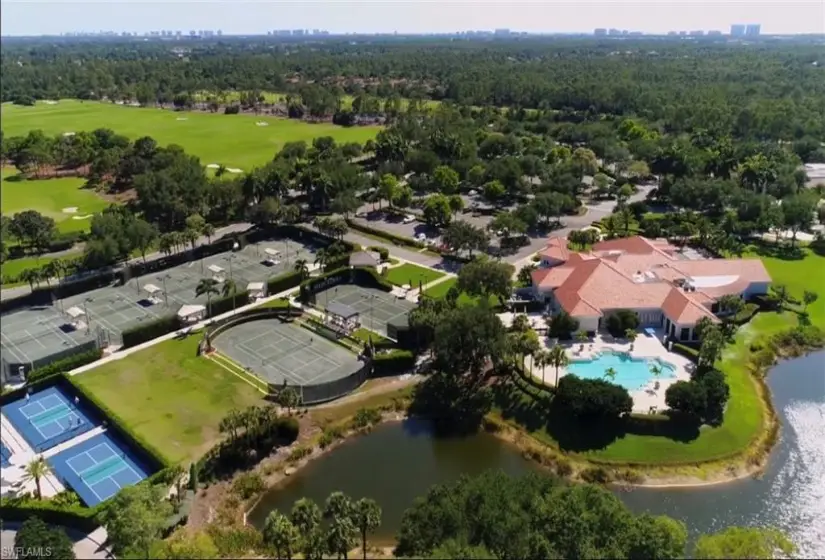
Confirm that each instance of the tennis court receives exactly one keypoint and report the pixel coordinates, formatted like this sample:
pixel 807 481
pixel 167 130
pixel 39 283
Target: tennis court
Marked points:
pixel 48 417
pixel 376 307
pixel 96 469
pixel 30 335
pixel 280 352
pixel 36 333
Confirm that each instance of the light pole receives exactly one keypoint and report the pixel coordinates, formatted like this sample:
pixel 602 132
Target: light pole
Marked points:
pixel 165 295
pixel 287 253
pixel 88 318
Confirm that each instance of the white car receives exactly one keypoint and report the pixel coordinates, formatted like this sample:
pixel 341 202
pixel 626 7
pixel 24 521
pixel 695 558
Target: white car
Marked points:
pixel 408 219
pixel 420 237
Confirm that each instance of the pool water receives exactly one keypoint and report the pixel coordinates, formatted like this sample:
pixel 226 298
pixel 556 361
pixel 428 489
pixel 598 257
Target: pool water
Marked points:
pixel 631 373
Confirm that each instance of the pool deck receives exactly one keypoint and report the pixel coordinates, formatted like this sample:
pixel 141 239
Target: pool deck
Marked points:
pixel 21 455
pixel 648 397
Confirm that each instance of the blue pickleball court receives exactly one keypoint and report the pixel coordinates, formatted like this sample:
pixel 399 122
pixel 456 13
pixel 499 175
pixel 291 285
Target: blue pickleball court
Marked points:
pixel 98 468
pixel 48 417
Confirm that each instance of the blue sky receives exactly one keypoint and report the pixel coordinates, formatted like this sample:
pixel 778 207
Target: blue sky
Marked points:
pixel 35 17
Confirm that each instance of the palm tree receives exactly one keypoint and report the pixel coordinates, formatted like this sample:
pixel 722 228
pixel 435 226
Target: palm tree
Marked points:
pixel 557 359
pixel 322 258
pixel 166 243
pixel 306 515
pixel 36 469
pixel 281 534
pixel 610 374
pixel 220 171
pixel 808 298
pixel 656 371
pixel 208 231
pixel 630 335
pixel 582 337
pixel 301 266
pixel 230 288
pixel 367 518
pixel 30 275
pixel 542 360
pixel 190 236
pixel 781 293
pixel 207 286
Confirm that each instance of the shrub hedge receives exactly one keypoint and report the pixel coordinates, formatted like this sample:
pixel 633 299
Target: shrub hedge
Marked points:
pixel 283 282
pixel 159 327
pixel 393 362
pixel 383 252
pixel 223 304
pixel 397 239
pixel 691 354
pixel 64 365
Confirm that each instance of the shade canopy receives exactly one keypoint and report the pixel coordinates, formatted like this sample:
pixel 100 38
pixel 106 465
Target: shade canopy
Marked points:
pixel 151 289
pixel 255 287
pixel 272 252
pixel 341 310
pixel 215 269
pixel 362 258
pixel 190 309
pixel 75 312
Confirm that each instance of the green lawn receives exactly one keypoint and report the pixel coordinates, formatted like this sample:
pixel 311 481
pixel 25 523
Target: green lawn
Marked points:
pixel 50 197
pixel 232 140
pixel 744 416
pixel 412 274
pixel 14 267
pixel 440 290
pixel 170 397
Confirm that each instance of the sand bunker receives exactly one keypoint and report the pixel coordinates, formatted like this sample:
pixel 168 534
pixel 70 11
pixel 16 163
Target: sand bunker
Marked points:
pixel 182 119
pixel 70 210
pixel 47 102
pixel 234 170
pixel 86 217
pixel 213 166
pixel 68 134
pixel 261 123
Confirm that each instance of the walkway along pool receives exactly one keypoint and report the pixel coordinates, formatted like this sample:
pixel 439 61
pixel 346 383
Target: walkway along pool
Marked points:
pixel 631 373
pixel 398 462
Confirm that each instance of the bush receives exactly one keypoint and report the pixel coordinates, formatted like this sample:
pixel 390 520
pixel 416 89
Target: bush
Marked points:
pixel 330 435
pixel 299 453
pixel 393 362
pixel 596 475
pixel 592 398
pixel 64 365
pixel 383 252
pixel 746 313
pixel 141 333
pixel 228 303
pixel 691 354
pixel 247 485
pixel 283 282
pixel 366 417
pixel 563 467
pixel 288 429
pixel 231 110
pixel 620 321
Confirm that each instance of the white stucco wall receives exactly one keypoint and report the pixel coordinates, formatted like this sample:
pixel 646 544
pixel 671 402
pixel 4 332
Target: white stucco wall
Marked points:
pixel 588 323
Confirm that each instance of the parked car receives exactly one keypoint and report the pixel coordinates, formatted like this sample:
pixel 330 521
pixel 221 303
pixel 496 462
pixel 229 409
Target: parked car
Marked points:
pixel 408 219
pixel 420 237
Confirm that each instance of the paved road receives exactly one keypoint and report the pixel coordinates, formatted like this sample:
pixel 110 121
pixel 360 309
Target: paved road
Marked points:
pixel 85 545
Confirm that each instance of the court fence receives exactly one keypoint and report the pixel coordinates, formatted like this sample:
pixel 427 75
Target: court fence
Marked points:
pixel 12 369
pixel 365 277
pixel 107 276
pixel 310 394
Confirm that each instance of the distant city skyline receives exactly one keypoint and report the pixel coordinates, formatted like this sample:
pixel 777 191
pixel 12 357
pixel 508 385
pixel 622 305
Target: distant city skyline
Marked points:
pixel 54 17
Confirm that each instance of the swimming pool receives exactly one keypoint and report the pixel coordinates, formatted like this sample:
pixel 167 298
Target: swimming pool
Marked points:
pixel 632 373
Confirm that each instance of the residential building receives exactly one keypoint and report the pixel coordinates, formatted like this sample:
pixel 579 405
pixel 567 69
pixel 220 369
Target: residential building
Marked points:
pixel 668 288
pixel 737 30
pixel 753 30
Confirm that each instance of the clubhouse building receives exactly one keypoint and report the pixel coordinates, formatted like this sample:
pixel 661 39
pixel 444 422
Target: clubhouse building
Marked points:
pixel 668 288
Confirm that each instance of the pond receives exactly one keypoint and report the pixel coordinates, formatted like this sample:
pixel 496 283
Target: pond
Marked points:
pixel 398 462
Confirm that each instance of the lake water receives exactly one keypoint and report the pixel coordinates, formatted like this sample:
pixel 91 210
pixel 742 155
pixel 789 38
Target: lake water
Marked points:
pixel 398 462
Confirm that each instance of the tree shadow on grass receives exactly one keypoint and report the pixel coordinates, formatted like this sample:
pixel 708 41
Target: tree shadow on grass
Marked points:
pixel 781 251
